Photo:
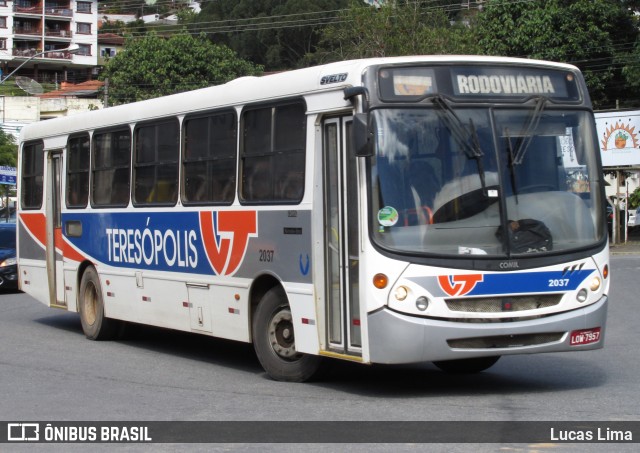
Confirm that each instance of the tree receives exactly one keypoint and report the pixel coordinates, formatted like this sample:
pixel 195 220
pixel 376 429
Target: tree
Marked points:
pixel 275 33
pixel 152 66
pixel 400 27
pixel 8 150
pixel 595 35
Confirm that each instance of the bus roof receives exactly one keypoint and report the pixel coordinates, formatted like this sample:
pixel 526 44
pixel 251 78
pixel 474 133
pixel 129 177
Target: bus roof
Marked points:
pixel 247 90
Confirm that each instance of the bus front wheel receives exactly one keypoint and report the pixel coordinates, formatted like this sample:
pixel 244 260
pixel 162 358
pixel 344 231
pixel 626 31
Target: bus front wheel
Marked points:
pixel 274 340
pixel 95 325
pixel 466 366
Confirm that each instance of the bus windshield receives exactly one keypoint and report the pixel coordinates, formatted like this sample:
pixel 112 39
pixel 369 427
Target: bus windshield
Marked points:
pixel 516 180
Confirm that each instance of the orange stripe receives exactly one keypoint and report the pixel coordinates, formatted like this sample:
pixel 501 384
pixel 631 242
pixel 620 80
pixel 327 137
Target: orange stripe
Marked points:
pixel 36 223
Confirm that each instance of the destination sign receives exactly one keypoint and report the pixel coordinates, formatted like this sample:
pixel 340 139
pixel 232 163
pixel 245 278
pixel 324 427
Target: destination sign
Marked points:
pixel 477 82
pixel 512 81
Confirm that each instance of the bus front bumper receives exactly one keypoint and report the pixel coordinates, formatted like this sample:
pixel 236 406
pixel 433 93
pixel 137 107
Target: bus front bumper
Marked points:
pixel 399 338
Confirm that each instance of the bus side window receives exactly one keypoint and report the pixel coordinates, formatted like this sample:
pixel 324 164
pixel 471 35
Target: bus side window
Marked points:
pixel 111 165
pixel 78 150
pixel 155 173
pixel 209 159
pixel 273 153
pixel 32 175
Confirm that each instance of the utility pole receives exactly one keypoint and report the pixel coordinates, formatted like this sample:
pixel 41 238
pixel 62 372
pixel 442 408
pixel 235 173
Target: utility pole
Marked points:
pixel 105 100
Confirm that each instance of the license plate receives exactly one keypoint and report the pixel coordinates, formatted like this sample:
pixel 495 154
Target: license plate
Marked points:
pixel 585 336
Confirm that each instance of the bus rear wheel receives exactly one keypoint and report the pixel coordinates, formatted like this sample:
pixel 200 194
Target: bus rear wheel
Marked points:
pixel 274 340
pixel 467 366
pixel 95 325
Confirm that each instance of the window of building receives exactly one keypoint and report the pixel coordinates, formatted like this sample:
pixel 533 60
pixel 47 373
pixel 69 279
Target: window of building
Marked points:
pixel 3 43
pixel 157 157
pixel 84 49
pixel 3 21
pixel 83 7
pixel 78 151
pixel 83 28
pixel 108 52
pixel 273 153
pixel 209 162
pixel 32 174
pixel 111 166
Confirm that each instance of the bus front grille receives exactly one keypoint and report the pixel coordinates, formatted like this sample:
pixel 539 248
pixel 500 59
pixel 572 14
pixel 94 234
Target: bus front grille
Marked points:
pixel 503 304
pixel 505 341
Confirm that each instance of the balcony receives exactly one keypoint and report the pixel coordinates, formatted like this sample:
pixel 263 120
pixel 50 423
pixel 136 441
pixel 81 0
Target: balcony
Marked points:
pixel 57 33
pixel 27 8
pixel 53 54
pixel 31 31
pixel 59 12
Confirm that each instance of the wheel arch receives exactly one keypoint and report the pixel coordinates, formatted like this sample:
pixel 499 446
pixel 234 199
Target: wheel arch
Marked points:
pixel 260 286
pixel 81 270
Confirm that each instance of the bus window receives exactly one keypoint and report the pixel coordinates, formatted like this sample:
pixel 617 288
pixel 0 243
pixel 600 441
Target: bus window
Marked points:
pixel 273 154
pixel 32 175
pixel 78 150
pixel 209 162
pixel 110 168
pixel 155 173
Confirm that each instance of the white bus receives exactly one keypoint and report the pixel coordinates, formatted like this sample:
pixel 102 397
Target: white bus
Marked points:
pixel 396 210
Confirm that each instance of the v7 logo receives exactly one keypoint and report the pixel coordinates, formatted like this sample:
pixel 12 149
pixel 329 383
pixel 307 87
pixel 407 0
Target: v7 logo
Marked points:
pixel 459 285
pixel 225 236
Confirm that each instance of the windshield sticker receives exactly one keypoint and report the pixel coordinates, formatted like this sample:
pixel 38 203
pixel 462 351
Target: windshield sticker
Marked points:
pixel 387 216
pixel 412 85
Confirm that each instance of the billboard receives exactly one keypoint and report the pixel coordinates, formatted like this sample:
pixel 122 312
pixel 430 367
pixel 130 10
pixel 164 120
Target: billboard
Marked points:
pixel 8 175
pixel 619 138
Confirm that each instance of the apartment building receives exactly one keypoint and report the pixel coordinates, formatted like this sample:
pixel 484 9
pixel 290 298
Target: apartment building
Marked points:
pixel 28 28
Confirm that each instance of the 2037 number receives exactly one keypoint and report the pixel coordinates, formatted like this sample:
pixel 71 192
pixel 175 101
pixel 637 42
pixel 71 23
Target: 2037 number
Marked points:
pixel 558 282
pixel 266 256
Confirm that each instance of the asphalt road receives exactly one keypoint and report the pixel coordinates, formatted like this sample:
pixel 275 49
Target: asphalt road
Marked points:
pixel 50 372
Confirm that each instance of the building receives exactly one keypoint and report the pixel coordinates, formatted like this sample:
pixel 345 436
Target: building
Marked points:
pixel 29 28
pixel 109 44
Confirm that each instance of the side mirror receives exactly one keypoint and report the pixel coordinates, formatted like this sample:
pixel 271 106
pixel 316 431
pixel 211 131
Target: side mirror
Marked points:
pixel 361 135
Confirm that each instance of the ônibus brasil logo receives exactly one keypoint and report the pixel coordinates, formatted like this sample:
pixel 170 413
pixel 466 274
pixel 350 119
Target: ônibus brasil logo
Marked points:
pixel 225 236
pixel 459 285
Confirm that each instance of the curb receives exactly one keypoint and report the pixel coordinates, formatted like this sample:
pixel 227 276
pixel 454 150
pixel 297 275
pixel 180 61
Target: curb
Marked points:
pixel 628 248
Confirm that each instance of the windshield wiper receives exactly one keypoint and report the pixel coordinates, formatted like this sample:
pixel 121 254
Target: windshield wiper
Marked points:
pixel 512 172
pixel 532 125
pixel 467 139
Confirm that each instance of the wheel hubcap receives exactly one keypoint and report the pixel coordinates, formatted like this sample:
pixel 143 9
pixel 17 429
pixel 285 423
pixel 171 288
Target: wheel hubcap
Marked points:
pixel 281 335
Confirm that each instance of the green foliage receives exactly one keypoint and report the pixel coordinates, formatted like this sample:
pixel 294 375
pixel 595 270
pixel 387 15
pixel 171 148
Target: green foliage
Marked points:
pixel 277 34
pixel 588 33
pixel 634 199
pixel 120 28
pixel 8 150
pixel 152 66
pixel 400 27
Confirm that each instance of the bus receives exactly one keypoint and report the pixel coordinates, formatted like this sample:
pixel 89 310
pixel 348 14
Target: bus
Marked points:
pixel 440 209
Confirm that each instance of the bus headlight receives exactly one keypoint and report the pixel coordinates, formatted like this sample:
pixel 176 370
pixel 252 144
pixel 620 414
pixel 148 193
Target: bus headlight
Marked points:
pixel 582 295
pixel 595 284
pixel 422 303
pixel 401 293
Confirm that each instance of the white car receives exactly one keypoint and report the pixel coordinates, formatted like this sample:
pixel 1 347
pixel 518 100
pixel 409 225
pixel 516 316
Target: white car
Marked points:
pixel 634 219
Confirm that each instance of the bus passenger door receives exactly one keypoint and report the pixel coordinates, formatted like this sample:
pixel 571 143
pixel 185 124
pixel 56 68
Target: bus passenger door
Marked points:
pixel 341 238
pixel 55 271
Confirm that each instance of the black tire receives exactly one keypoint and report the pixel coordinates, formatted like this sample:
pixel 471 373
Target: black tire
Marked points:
pixel 95 325
pixel 274 340
pixel 467 366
